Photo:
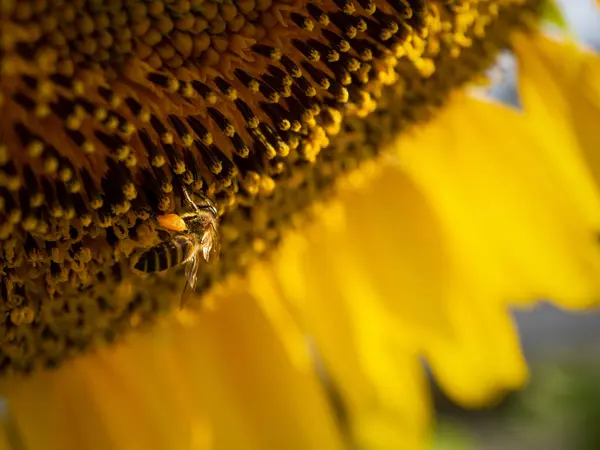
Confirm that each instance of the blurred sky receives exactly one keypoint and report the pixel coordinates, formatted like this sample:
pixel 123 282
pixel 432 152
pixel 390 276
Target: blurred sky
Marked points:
pixel 584 18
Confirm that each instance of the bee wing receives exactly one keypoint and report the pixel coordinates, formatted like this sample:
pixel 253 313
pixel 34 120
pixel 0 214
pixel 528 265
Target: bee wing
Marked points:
pixel 216 249
pixel 191 271
pixel 191 276
pixel 211 243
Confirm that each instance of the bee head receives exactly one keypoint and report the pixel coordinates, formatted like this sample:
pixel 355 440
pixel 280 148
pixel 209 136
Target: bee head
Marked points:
pixel 213 209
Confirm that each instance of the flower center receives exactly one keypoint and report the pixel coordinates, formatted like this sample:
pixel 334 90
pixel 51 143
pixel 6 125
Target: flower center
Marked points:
pixel 108 111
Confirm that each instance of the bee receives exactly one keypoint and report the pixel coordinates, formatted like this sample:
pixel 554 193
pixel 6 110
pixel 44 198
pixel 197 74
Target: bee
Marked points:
pixel 197 234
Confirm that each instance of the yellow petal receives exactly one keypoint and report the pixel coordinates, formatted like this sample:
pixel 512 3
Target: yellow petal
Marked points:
pixel 560 88
pixel 474 352
pixel 320 273
pixel 482 361
pixel 217 381
pixel 520 217
pixel 376 283
pixel 7 442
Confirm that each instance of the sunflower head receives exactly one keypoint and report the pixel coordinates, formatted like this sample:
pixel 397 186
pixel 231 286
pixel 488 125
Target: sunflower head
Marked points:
pixel 111 109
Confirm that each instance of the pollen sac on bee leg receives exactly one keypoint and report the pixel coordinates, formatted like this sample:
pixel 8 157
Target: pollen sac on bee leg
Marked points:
pixel 172 222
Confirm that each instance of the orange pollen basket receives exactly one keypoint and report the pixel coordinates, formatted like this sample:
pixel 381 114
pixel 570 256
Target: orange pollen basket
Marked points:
pixel 172 222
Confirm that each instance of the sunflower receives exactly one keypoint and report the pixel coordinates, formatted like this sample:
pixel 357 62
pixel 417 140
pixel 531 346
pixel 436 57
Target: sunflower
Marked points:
pixel 372 215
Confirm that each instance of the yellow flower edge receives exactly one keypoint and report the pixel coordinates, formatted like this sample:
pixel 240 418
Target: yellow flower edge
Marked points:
pixel 570 92
pixel 374 287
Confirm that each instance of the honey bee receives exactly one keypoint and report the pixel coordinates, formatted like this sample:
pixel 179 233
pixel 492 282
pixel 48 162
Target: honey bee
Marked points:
pixel 198 234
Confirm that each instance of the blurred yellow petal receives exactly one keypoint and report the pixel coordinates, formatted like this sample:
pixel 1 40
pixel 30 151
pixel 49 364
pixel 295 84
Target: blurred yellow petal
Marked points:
pixel 482 361
pixel 560 82
pixel 371 363
pixel 375 282
pixel 350 278
pixel 5 441
pixel 219 380
pixel 520 217
pixel 418 282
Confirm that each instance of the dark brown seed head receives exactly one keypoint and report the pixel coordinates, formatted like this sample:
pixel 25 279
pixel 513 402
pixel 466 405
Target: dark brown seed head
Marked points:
pixel 109 109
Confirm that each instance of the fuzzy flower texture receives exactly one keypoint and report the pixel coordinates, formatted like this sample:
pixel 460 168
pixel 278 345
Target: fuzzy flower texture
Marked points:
pixel 374 217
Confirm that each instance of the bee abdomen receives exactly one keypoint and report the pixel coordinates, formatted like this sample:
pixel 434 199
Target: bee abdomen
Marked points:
pixel 166 255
